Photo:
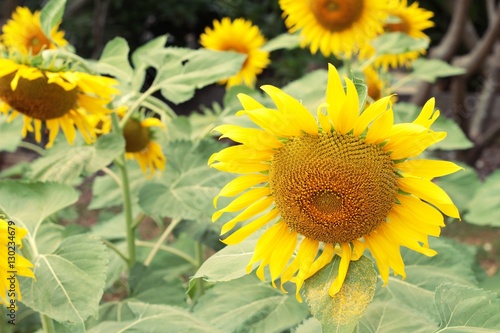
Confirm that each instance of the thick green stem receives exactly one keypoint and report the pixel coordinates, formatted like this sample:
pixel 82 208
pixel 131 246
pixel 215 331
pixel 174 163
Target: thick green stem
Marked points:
pixel 199 257
pixel 127 209
pixel 47 324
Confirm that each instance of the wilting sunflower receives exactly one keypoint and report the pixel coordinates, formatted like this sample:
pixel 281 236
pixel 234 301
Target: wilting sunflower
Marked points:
pixel 140 144
pixel 24 33
pixel 410 20
pixel 336 27
pixel 10 243
pixel 239 36
pixel 58 99
pixel 341 186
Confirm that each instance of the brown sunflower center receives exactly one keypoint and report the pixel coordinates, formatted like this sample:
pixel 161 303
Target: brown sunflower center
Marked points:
pixel 336 15
pixel 36 43
pixel 37 98
pixel 332 188
pixel 137 137
pixel 397 24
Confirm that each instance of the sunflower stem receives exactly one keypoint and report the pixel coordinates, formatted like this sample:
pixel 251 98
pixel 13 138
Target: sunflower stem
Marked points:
pixel 47 324
pixel 127 208
pixel 115 249
pixel 160 241
pixel 200 287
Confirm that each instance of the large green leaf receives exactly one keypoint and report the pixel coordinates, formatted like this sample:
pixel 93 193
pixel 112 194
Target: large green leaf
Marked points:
pixel 309 89
pixel 465 309
pixel 65 163
pixel 29 204
pixel 431 69
pixel 143 317
pixel 484 208
pixel 283 41
pixel 188 186
pixel 394 316
pixel 10 133
pixel 114 59
pixel 51 15
pixel 69 282
pixel 311 325
pixel 341 312
pixel 249 305
pixel 180 77
pixel 229 263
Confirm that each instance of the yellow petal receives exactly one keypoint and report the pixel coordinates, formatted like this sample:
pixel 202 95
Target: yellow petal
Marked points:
pixel 350 109
pixel 295 112
pixel 379 129
pixel 325 257
pixel 240 166
pixel 430 192
pixel 427 116
pixel 273 122
pixel 305 257
pixel 370 114
pixel 323 118
pixel 335 95
pixel 249 103
pixel 285 246
pixel 252 137
pixel 243 201
pixel 428 169
pixel 240 184
pixel 343 267
pixel 241 152
pixel 252 210
pixel 250 228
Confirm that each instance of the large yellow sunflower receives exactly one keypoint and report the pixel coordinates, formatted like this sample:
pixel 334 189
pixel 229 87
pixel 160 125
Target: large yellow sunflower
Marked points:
pixel 58 99
pixel 410 20
pixel 12 263
pixel 140 144
pixel 239 36
pixel 336 184
pixel 24 33
pixel 336 27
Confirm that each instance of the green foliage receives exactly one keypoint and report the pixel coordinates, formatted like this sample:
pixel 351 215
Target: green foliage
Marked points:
pixel 484 208
pixel 9 134
pixel 398 43
pixel 51 15
pixel 430 69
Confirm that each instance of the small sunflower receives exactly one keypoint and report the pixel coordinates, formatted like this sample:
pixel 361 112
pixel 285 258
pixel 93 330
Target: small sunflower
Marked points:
pixel 24 33
pixel 336 187
pixel 239 36
pixel 337 27
pixel 374 84
pixel 60 99
pixel 10 239
pixel 410 20
pixel 140 144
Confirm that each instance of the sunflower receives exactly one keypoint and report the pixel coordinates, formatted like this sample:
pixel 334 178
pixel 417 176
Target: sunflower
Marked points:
pixel 139 143
pixel 373 83
pixel 60 99
pixel 239 36
pixel 410 20
pixel 337 187
pixel 24 33
pixel 11 262
pixel 337 27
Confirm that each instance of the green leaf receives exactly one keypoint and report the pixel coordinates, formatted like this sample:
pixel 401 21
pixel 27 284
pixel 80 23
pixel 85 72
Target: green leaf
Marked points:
pixel 180 77
pixel 143 317
pixel 465 309
pixel 258 307
pixel 284 41
pixel 51 15
pixel 143 55
pixel 311 325
pixel 188 186
pixel 430 69
pixel 154 287
pixel 114 59
pixel 69 282
pixel 362 90
pixel 394 317
pixel 342 312
pixel 10 134
pixel 65 163
pixel 29 204
pixel 484 208
pixel 229 263
pixel 397 43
